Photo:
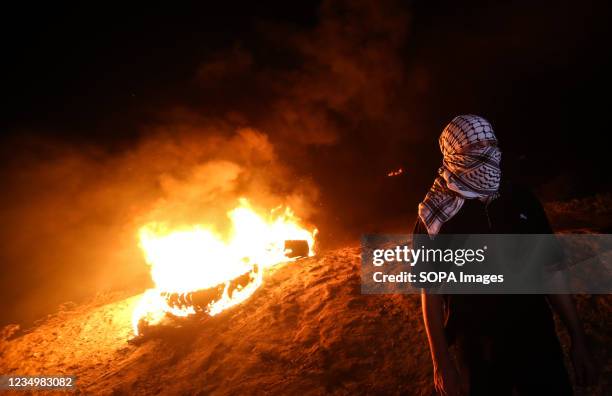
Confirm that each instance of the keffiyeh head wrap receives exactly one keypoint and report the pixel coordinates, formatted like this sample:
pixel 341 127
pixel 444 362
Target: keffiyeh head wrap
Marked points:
pixel 470 169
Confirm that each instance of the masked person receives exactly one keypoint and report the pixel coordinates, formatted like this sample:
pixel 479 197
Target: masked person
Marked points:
pixel 504 343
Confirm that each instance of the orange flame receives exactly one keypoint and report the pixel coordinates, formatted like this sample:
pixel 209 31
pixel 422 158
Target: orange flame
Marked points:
pixel 196 258
pixel 397 172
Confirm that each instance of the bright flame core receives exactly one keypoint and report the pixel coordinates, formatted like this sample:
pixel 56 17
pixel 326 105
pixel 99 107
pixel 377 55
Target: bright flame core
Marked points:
pixel 197 258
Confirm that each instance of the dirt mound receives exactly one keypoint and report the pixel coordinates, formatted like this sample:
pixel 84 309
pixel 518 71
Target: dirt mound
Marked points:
pixel 307 330
pixel 593 213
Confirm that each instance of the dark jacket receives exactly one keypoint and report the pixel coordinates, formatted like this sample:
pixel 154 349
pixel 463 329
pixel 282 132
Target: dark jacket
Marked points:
pixel 508 342
pixel 515 211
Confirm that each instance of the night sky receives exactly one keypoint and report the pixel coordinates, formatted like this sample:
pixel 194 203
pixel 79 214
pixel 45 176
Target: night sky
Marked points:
pixel 343 92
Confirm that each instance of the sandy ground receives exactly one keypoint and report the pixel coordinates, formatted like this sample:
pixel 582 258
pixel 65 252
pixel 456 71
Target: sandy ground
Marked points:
pixel 307 330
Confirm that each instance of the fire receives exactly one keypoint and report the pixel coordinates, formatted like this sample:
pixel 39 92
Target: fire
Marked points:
pixel 397 172
pixel 197 258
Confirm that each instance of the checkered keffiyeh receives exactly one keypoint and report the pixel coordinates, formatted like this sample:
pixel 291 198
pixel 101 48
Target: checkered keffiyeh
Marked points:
pixel 469 170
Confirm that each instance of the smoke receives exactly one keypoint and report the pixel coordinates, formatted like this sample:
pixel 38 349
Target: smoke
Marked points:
pixel 205 172
pixel 351 68
pixel 72 215
pixel 312 115
pixel 342 73
pixel 329 97
pixel 71 219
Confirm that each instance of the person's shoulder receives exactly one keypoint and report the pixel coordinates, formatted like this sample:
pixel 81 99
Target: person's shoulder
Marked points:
pixel 520 194
pixel 524 203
